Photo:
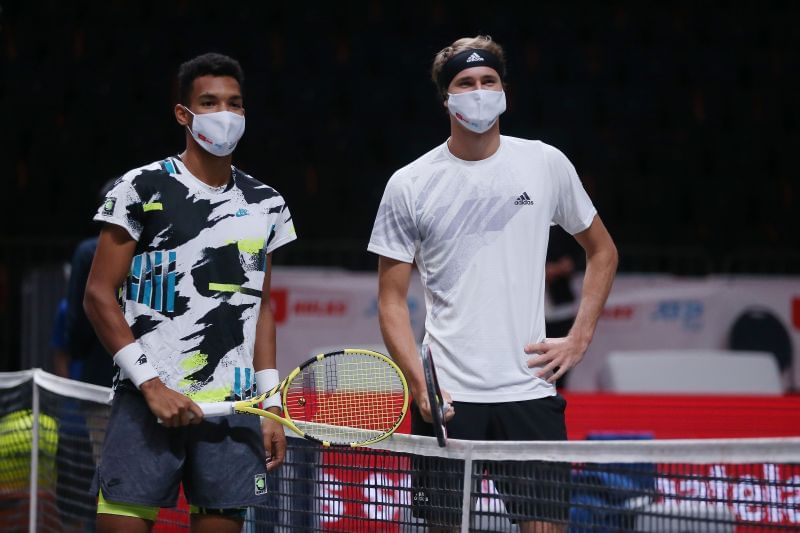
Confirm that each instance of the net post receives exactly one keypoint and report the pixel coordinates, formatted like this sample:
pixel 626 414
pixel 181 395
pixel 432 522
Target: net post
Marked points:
pixel 34 475
pixel 466 504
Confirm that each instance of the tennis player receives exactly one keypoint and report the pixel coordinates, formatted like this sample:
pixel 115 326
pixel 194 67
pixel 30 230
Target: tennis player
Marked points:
pixel 189 240
pixel 474 214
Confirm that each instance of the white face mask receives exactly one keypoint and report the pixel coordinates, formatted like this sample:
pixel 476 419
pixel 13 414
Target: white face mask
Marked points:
pixel 477 110
pixel 217 132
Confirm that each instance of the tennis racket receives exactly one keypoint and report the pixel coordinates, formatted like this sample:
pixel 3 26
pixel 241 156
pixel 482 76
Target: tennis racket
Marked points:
pixel 347 398
pixel 438 406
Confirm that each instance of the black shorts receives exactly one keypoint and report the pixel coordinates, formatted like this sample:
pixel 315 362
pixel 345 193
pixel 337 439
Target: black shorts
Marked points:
pixel 221 461
pixel 530 490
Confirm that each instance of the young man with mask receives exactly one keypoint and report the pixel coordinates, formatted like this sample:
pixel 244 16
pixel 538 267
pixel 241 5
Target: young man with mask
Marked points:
pixel 189 239
pixel 474 214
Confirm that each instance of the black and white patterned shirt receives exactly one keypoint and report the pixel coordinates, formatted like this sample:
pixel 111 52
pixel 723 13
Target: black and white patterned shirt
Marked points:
pixel 193 293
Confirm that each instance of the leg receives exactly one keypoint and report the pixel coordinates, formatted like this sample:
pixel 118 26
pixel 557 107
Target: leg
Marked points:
pixel 216 523
pixel 141 462
pixel 536 493
pixel 225 472
pixel 113 517
pixel 109 523
pixel 437 483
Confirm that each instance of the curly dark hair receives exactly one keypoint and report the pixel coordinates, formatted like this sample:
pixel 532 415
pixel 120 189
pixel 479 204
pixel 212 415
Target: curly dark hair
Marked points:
pixel 211 64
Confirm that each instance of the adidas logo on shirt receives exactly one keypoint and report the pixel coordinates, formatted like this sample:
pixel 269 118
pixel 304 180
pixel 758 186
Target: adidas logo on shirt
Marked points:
pixel 474 57
pixel 523 199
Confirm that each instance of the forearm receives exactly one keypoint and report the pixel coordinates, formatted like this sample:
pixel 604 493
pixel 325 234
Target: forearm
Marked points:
pixel 116 336
pixel 399 339
pixel 264 351
pixel 264 357
pixel 600 269
pixel 107 319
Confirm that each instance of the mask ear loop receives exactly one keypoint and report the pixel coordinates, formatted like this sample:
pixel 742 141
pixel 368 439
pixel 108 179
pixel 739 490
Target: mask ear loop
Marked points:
pixel 190 112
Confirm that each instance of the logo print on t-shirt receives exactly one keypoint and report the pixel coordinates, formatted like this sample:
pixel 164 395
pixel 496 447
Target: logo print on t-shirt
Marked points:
pixel 523 199
pixel 108 205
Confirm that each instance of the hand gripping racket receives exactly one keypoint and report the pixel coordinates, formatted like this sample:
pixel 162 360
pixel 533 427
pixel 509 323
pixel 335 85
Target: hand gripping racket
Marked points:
pixel 347 398
pixel 438 406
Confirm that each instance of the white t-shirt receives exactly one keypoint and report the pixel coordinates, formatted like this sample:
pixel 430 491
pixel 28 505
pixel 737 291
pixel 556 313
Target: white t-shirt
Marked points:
pixel 193 293
pixel 478 231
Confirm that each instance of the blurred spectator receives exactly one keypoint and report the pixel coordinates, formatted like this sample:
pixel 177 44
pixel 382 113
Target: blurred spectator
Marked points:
pixel 58 341
pixel 88 360
pixel 80 356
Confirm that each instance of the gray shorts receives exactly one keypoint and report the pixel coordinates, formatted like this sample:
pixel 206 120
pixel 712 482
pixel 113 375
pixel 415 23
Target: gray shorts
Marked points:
pixel 221 461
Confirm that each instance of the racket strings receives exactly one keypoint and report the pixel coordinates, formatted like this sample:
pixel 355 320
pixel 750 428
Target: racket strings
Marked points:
pixel 346 399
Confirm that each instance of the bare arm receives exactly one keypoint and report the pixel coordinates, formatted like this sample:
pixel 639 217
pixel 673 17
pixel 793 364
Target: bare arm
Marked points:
pixel 111 263
pixel 264 349
pixel 395 321
pixel 264 357
pixel 601 265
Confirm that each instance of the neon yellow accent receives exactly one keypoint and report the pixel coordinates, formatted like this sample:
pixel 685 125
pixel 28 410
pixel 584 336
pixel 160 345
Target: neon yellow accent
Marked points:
pixel 193 509
pixel 251 246
pixel 206 395
pixel 145 512
pixel 153 206
pixel 212 395
pixel 224 287
pixel 194 361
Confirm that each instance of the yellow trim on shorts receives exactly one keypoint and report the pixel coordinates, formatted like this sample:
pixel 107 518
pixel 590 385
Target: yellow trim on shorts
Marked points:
pixel 145 512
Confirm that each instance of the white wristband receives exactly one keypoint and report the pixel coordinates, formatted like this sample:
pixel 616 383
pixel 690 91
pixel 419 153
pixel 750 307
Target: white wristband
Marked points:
pixel 266 380
pixel 134 364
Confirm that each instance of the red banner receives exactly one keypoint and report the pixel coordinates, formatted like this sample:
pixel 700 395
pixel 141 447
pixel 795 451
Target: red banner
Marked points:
pixel 353 503
pixel 683 416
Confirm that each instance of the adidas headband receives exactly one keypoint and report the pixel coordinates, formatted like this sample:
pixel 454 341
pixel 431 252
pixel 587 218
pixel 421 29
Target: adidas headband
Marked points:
pixel 474 57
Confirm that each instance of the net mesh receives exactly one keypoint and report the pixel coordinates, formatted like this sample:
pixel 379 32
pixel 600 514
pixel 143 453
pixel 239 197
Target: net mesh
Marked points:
pixel 409 483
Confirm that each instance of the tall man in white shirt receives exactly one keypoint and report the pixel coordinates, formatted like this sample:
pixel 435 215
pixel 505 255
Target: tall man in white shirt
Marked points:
pixel 474 214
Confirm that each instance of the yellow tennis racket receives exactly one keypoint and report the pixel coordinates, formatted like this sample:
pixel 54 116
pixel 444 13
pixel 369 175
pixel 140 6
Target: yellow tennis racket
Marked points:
pixel 347 398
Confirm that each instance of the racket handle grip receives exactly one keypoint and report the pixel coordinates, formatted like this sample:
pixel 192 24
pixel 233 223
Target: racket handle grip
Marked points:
pixel 216 408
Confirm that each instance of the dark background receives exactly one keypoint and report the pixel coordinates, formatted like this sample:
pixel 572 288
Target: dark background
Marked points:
pixel 681 117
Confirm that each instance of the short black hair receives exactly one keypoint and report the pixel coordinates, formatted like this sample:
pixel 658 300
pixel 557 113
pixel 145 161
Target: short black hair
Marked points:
pixel 211 64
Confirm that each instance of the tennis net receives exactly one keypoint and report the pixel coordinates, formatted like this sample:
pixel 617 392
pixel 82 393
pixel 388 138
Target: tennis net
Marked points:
pixel 408 483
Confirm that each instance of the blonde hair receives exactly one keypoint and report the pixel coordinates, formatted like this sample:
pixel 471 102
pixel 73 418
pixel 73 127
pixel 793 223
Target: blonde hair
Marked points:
pixel 480 42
